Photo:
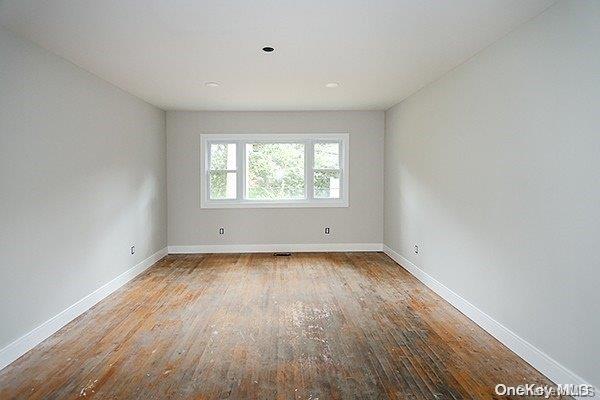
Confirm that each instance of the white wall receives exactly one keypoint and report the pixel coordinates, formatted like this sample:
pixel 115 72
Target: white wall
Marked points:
pixel 82 177
pixel 494 170
pixel 188 224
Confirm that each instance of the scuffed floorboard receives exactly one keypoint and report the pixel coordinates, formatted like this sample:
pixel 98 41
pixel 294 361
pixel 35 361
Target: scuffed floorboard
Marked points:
pixel 254 326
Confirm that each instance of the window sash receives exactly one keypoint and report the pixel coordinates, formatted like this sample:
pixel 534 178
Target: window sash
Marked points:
pixel 209 155
pixel 226 173
pixel 315 170
pixel 242 200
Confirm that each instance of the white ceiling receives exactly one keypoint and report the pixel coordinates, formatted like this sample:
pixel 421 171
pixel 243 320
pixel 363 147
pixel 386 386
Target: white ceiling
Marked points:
pixel 163 51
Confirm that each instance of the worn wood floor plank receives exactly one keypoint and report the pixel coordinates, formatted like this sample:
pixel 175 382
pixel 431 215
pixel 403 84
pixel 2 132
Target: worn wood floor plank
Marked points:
pixel 254 326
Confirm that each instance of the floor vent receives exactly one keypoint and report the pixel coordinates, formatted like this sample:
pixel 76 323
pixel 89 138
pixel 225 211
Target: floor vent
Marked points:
pixel 282 254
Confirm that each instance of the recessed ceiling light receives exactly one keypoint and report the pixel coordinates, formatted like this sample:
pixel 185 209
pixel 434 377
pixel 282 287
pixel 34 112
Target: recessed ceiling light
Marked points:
pixel 268 49
pixel 211 84
pixel 332 85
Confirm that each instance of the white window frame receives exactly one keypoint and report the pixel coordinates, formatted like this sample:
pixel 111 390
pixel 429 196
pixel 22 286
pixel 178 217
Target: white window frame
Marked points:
pixel 241 139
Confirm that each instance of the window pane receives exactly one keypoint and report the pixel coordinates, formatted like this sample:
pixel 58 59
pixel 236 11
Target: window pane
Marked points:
pixel 275 171
pixel 222 185
pixel 327 155
pixel 222 156
pixel 327 184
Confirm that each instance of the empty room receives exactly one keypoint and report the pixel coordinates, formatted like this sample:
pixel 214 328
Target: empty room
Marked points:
pixel 299 199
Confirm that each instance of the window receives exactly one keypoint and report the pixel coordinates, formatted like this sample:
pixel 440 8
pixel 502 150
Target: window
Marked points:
pixel 274 170
pixel 223 171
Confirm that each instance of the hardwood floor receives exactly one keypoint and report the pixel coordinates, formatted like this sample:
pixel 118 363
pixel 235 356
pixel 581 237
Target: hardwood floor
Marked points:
pixel 255 326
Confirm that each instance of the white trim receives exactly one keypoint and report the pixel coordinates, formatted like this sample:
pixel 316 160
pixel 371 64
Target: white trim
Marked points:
pixel 316 203
pixel 274 137
pixel 307 138
pixel 528 352
pixel 28 341
pixel 268 248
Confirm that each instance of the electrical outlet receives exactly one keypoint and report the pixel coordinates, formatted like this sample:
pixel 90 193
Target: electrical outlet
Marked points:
pixel 132 249
pixel 221 231
pixel 327 231
pixel 416 249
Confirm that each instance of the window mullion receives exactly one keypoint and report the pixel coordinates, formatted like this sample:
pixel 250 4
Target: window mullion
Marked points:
pixel 206 168
pixel 309 165
pixel 341 158
pixel 241 170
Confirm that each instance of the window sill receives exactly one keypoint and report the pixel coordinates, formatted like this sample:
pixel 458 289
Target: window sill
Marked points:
pixel 275 204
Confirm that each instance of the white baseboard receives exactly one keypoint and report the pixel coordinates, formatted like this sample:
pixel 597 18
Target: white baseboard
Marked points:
pixel 528 352
pixel 267 248
pixel 28 341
